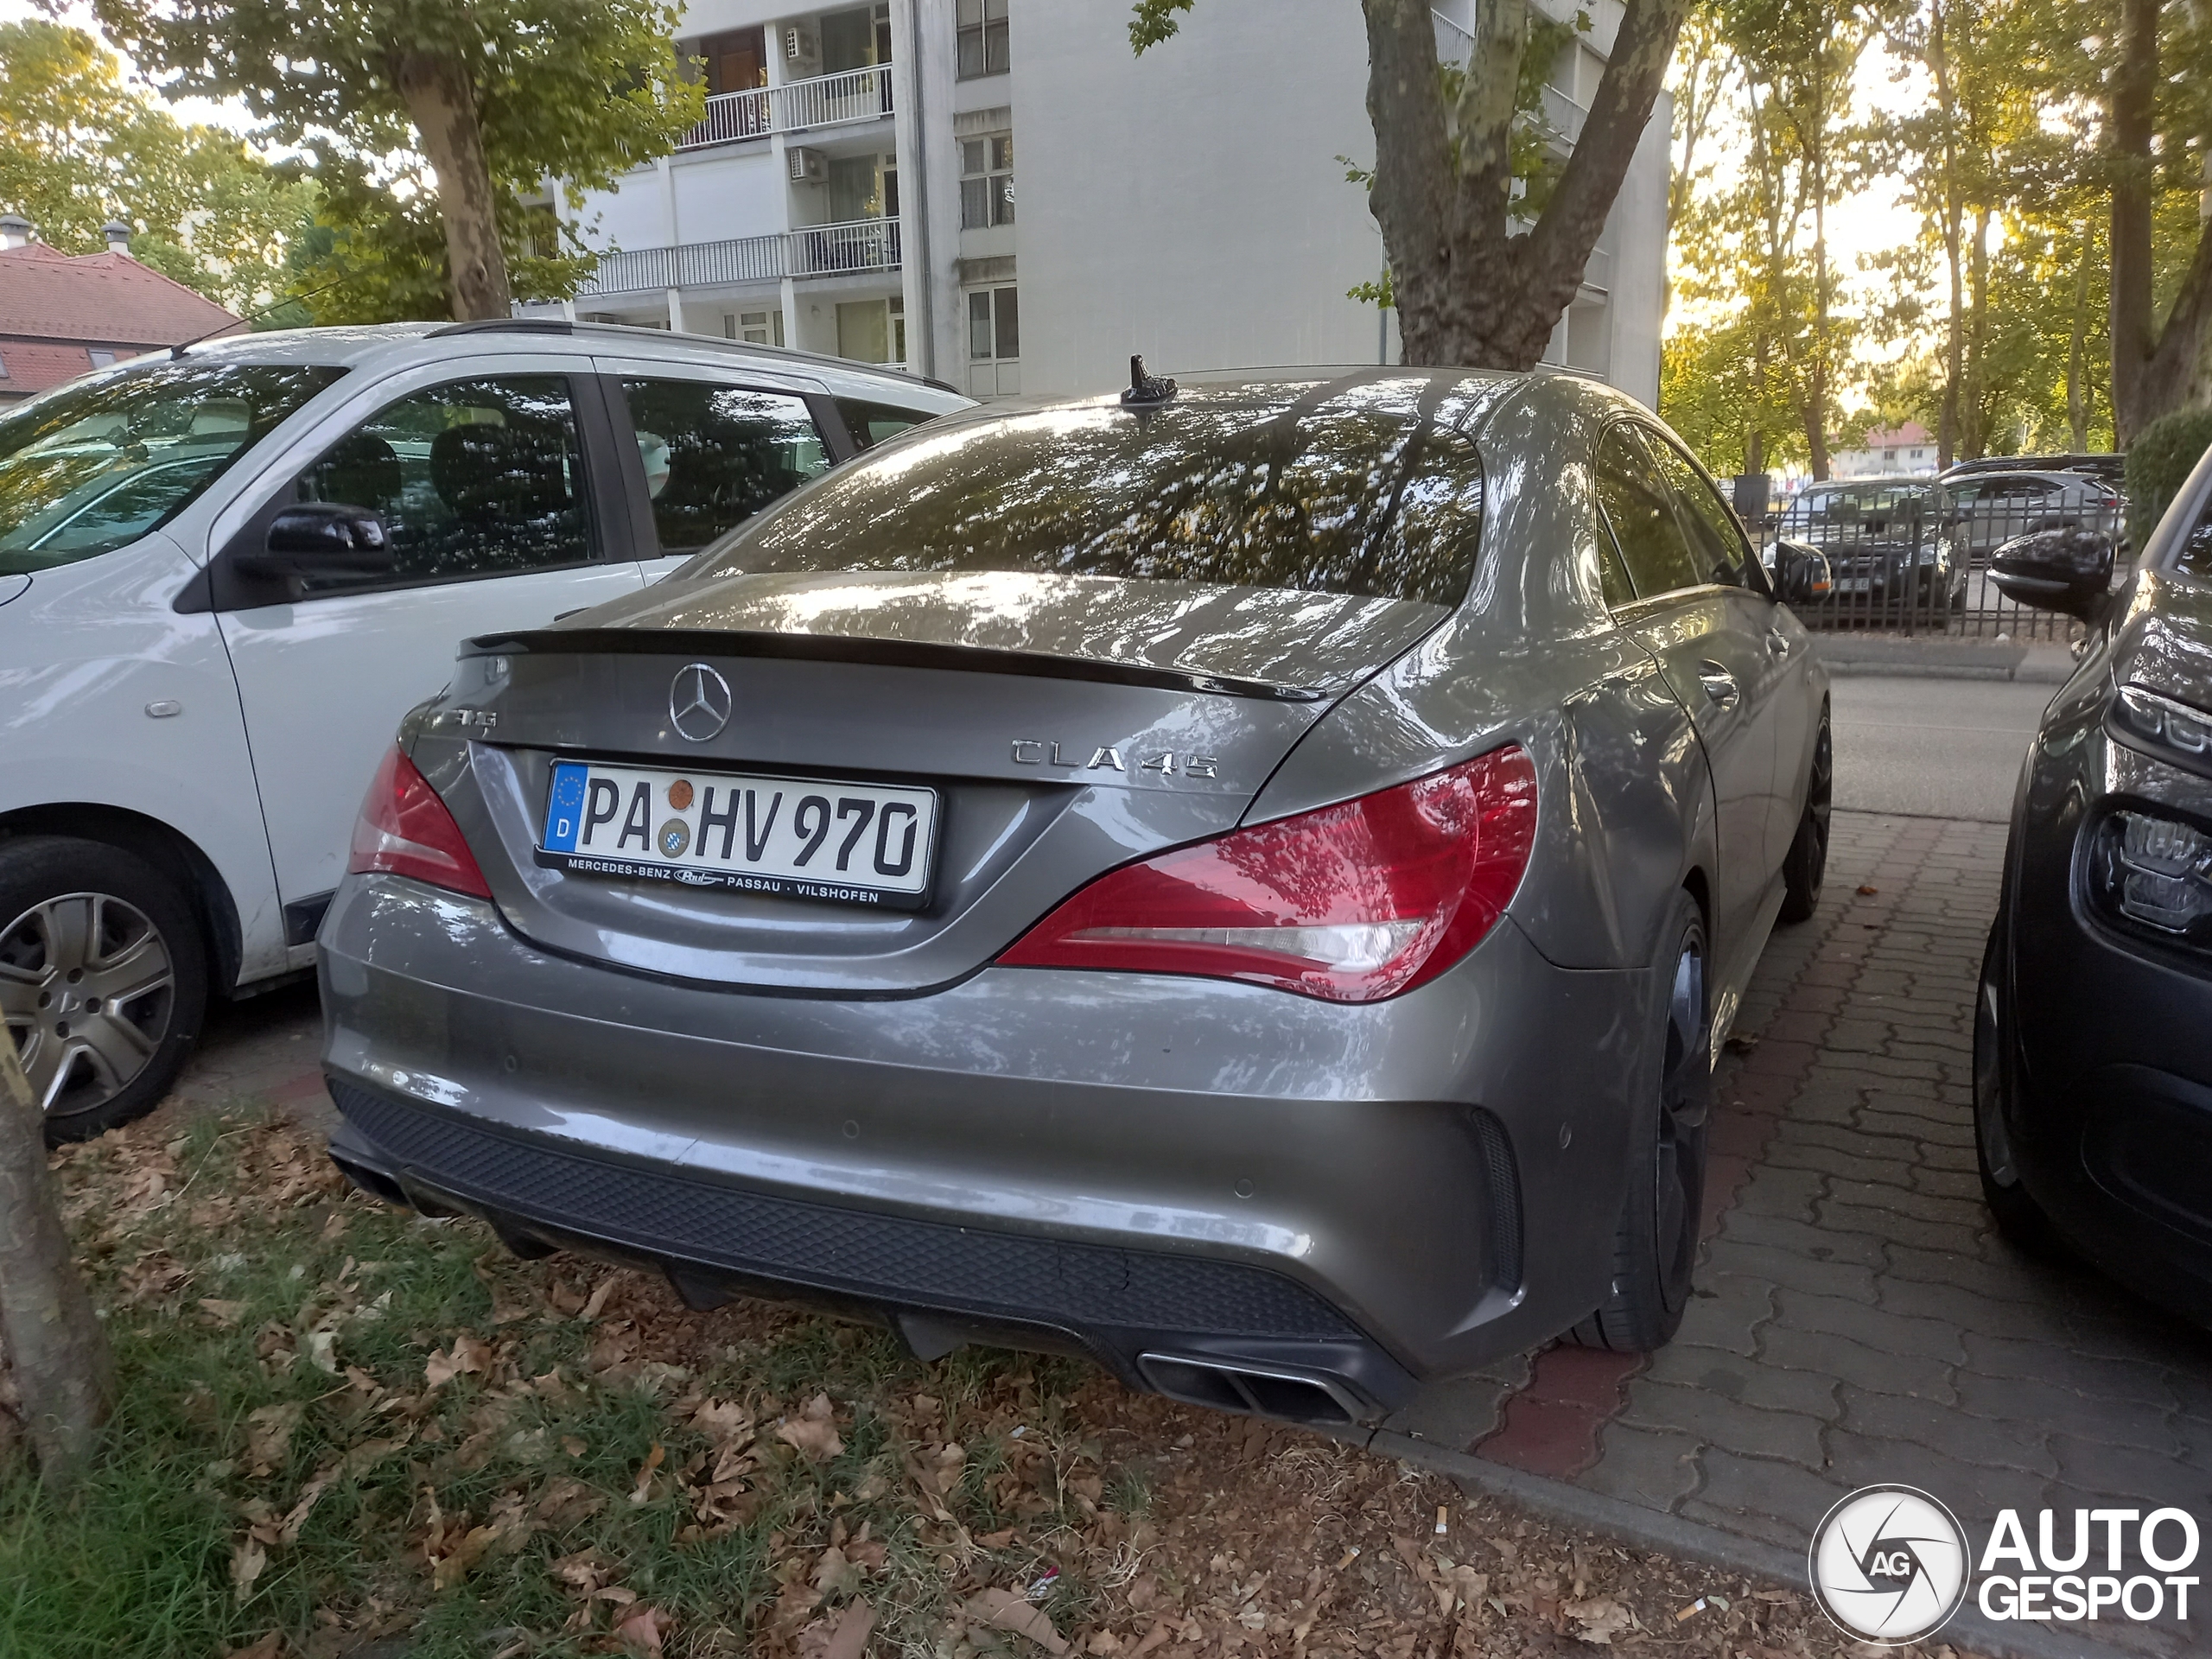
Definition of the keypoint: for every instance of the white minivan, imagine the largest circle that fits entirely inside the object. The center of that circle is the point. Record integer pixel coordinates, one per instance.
(227, 572)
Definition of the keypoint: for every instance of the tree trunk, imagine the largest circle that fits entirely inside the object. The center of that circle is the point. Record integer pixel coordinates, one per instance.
(1469, 288)
(1939, 68)
(52, 1348)
(1975, 436)
(442, 102)
(2077, 399)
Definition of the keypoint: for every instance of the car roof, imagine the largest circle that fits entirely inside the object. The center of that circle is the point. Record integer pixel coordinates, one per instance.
(352, 345)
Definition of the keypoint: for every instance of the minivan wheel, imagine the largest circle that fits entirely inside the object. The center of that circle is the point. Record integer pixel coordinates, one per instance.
(1805, 867)
(1656, 1246)
(103, 980)
(2017, 1216)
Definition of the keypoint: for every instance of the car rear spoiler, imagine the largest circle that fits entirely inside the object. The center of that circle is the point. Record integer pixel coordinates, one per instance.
(708, 642)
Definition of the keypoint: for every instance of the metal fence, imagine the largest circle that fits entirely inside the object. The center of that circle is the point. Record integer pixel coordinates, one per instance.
(1919, 564)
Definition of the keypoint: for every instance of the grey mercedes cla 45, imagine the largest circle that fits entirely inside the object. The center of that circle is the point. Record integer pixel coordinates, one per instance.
(1243, 882)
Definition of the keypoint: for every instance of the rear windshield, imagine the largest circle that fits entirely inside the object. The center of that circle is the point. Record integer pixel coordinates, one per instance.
(1358, 488)
(94, 465)
(1864, 500)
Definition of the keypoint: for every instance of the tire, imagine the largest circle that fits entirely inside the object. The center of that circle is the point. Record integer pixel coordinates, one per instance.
(1656, 1243)
(2019, 1216)
(1805, 867)
(103, 980)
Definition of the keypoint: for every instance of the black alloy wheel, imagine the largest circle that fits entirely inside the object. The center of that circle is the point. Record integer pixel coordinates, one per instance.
(1654, 1251)
(1804, 868)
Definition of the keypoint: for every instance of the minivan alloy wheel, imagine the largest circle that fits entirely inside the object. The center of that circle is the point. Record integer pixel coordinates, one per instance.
(87, 988)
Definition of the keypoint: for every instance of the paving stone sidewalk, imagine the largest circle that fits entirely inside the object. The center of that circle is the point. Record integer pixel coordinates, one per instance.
(1857, 1319)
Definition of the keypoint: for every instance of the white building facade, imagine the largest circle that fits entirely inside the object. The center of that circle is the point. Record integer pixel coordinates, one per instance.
(852, 190)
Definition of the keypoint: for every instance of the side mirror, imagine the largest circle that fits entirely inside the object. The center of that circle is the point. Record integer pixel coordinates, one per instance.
(2068, 570)
(325, 539)
(1802, 574)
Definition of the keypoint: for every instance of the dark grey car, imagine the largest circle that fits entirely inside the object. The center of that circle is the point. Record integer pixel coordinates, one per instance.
(1246, 885)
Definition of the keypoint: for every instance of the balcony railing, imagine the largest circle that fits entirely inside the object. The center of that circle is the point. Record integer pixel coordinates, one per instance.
(814, 251)
(833, 250)
(796, 106)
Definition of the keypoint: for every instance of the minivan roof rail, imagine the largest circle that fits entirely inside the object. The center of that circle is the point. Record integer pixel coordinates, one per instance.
(630, 331)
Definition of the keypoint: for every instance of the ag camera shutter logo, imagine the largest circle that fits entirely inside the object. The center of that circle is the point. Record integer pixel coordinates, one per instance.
(1888, 1565)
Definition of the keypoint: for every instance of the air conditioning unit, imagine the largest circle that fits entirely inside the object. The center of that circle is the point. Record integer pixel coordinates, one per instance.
(800, 45)
(808, 166)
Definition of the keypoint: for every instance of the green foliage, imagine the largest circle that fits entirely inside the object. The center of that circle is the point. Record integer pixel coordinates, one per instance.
(576, 90)
(79, 146)
(1154, 21)
(2159, 462)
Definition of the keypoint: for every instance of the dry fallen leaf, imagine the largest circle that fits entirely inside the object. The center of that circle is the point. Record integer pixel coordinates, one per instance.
(640, 1632)
(841, 1635)
(598, 1301)
(813, 1433)
(268, 1647)
(227, 1314)
(468, 1354)
(246, 1562)
(1012, 1612)
(269, 1431)
(654, 1461)
(453, 1567)
(1602, 1618)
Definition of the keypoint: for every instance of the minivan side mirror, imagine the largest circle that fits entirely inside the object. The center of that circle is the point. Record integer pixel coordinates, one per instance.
(2065, 569)
(328, 540)
(1801, 573)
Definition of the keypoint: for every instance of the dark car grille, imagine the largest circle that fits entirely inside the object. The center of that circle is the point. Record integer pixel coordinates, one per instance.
(890, 1259)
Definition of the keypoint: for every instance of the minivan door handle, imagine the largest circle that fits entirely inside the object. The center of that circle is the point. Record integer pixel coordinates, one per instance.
(1720, 685)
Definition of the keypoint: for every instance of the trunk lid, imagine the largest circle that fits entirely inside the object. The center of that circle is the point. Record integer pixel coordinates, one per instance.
(1067, 724)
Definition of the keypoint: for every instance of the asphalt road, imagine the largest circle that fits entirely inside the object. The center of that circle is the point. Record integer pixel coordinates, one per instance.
(1935, 748)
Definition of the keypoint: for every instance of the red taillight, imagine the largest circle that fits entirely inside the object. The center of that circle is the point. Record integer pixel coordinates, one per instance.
(405, 829)
(1353, 903)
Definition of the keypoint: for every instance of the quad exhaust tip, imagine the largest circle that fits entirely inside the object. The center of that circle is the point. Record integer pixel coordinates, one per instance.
(1290, 1396)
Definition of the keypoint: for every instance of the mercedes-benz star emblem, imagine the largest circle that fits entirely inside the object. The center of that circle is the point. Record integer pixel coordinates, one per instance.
(698, 701)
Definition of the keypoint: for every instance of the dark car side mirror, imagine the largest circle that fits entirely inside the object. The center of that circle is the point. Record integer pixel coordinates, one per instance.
(329, 540)
(1801, 573)
(2068, 569)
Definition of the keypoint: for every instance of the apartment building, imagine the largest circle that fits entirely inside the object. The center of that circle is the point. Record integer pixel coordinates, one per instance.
(851, 189)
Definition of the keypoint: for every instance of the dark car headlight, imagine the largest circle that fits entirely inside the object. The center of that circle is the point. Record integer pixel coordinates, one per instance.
(2154, 872)
(2173, 731)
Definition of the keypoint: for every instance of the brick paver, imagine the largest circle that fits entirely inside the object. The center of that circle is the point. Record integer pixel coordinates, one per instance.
(1857, 1319)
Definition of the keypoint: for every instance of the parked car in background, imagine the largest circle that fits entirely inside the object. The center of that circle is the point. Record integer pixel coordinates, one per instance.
(226, 573)
(2092, 1073)
(1985, 509)
(1885, 539)
(1245, 882)
(2112, 469)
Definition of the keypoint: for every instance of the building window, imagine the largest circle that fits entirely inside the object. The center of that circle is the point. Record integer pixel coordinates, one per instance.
(753, 328)
(994, 324)
(987, 182)
(735, 62)
(982, 38)
(100, 359)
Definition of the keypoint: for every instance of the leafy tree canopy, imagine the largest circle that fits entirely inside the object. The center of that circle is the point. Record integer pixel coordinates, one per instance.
(80, 146)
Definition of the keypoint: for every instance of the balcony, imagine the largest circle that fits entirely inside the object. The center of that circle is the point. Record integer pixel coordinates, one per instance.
(838, 100)
(859, 245)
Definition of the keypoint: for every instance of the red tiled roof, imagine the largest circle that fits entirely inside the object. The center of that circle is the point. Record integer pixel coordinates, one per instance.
(34, 365)
(102, 299)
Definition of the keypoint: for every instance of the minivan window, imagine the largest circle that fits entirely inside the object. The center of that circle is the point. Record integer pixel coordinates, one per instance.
(93, 466)
(1361, 490)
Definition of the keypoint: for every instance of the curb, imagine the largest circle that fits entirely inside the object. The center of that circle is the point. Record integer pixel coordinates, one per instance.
(1670, 1535)
(2044, 663)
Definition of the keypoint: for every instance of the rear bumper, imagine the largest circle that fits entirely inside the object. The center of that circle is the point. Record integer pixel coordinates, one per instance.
(1172, 1175)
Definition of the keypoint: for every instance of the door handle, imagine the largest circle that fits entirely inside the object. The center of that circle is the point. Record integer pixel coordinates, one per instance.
(1720, 685)
(1777, 643)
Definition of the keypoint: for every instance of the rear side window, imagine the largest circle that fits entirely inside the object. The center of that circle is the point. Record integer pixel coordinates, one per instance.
(869, 424)
(1715, 543)
(1639, 510)
(716, 454)
(1360, 488)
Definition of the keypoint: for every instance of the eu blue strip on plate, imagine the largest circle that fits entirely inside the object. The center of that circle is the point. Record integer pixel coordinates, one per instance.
(564, 810)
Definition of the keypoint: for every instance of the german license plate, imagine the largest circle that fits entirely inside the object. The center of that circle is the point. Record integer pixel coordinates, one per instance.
(1855, 585)
(809, 838)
